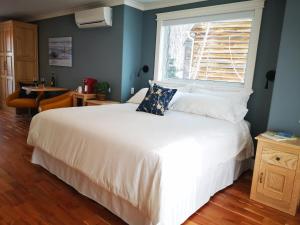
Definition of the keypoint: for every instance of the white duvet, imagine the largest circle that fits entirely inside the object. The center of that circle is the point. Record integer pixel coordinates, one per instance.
(152, 162)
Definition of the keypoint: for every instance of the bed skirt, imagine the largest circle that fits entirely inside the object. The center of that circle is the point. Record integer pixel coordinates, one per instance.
(218, 179)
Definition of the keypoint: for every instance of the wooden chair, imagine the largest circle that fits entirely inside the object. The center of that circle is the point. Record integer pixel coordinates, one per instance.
(17, 102)
(61, 101)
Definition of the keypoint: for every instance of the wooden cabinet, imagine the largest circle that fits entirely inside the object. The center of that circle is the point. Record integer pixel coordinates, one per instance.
(276, 178)
(2, 40)
(18, 56)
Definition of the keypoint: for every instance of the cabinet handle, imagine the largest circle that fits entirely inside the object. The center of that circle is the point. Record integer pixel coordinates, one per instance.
(277, 158)
(261, 177)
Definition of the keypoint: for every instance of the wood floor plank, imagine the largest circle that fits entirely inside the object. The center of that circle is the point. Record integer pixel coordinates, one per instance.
(29, 195)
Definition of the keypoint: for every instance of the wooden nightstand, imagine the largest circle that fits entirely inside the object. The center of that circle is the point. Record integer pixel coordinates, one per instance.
(98, 102)
(276, 177)
(83, 97)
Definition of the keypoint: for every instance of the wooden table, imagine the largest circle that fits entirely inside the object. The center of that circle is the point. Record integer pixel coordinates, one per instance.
(82, 96)
(99, 102)
(42, 89)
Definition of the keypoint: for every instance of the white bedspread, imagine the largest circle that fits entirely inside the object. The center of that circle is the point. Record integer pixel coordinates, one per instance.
(155, 163)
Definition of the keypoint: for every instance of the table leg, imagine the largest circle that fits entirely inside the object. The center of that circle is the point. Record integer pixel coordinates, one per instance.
(75, 101)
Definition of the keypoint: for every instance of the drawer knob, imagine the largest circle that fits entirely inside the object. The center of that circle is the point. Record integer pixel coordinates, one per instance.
(277, 158)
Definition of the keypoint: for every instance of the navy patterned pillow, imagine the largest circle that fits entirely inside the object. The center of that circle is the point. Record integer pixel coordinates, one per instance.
(157, 100)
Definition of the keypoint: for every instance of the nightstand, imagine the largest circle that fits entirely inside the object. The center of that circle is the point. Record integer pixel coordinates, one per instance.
(98, 102)
(83, 97)
(276, 177)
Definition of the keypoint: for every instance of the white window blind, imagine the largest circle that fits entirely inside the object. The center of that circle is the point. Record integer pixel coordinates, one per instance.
(212, 51)
(220, 50)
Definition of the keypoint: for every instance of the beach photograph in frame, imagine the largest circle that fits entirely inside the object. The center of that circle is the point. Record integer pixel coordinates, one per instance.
(60, 51)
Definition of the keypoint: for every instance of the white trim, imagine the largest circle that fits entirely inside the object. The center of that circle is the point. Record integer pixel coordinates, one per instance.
(169, 3)
(212, 10)
(158, 53)
(255, 5)
(253, 48)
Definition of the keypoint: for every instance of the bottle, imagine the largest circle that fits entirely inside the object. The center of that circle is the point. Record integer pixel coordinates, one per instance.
(52, 83)
(85, 87)
(43, 82)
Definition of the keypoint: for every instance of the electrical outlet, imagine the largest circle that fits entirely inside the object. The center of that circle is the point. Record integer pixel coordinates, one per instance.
(132, 91)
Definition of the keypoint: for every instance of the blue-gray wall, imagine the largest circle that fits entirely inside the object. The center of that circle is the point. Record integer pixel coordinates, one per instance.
(96, 52)
(285, 108)
(259, 103)
(132, 42)
(111, 54)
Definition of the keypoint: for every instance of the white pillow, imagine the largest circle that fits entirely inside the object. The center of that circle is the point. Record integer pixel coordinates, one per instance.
(209, 105)
(178, 86)
(241, 97)
(139, 96)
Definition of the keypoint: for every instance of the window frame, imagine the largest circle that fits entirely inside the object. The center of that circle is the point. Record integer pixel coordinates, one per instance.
(256, 6)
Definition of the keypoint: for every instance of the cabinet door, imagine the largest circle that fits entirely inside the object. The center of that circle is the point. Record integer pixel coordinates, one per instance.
(25, 55)
(9, 86)
(2, 49)
(8, 44)
(9, 66)
(25, 40)
(2, 90)
(276, 182)
(2, 65)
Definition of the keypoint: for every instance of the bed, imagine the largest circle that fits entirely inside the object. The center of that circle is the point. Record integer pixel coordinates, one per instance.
(146, 169)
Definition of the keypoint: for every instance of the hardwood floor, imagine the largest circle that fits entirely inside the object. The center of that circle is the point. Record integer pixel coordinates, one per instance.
(30, 195)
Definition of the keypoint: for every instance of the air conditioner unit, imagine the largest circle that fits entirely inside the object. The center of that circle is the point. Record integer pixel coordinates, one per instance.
(98, 17)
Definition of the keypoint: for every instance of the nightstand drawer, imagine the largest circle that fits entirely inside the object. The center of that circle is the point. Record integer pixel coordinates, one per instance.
(278, 158)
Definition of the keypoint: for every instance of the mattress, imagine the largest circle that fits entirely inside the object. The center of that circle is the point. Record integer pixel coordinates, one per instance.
(157, 165)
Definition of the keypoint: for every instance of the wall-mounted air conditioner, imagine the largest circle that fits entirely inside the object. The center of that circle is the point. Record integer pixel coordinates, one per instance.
(98, 17)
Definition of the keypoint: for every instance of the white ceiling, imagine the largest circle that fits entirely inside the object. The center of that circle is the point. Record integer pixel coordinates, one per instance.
(26, 9)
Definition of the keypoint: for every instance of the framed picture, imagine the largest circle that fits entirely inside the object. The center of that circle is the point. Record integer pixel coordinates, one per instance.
(60, 51)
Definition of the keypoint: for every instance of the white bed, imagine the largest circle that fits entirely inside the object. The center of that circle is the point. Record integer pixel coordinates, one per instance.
(146, 169)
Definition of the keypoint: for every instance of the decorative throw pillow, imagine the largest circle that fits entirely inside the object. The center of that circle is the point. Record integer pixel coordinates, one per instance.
(157, 100)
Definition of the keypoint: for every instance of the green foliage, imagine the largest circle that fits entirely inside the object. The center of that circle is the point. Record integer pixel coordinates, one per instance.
(102, 87)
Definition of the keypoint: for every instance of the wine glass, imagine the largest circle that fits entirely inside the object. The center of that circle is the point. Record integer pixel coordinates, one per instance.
(43, 82)
(35, 83)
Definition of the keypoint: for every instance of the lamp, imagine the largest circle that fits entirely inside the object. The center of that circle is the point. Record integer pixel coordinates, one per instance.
(145, 69)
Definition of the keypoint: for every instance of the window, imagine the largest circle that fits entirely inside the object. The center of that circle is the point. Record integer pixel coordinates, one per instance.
(215, 44)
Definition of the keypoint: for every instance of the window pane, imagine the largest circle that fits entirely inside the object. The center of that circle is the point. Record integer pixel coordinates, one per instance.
(213, 51)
